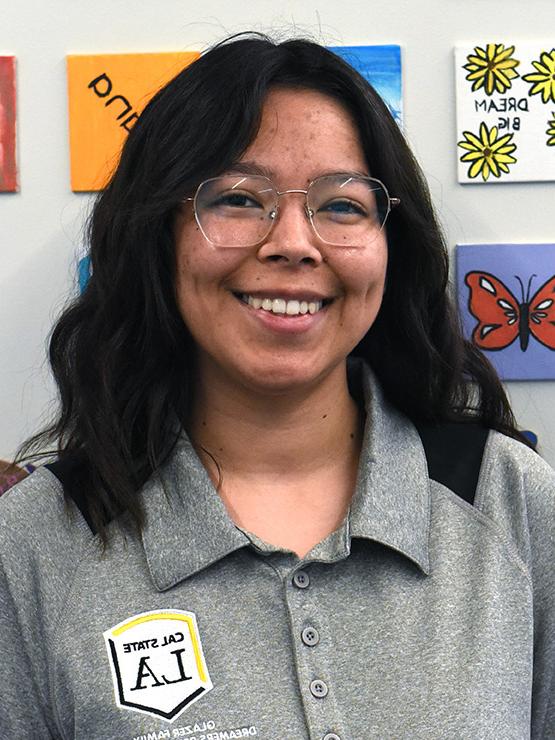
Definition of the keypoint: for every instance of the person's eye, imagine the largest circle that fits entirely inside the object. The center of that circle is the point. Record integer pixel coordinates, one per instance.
(234, 199)
(343, 207)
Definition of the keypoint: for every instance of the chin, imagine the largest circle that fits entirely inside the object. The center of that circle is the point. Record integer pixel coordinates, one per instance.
(281, 377)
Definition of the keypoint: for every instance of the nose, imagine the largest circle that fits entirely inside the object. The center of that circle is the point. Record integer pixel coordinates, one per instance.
(292, 239)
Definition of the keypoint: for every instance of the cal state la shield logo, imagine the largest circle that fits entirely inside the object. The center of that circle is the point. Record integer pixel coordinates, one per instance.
(157, 662)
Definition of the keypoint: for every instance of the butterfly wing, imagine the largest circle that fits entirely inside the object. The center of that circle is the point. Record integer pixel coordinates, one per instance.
(541, 314)
(496, 309)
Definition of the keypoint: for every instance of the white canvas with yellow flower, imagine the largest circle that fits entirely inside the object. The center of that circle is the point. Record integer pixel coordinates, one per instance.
(505, 111)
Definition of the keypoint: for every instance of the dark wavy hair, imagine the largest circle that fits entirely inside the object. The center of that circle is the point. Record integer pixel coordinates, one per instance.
(121, 354)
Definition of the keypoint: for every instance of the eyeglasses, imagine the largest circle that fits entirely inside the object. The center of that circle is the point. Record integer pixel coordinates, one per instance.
(344, 210)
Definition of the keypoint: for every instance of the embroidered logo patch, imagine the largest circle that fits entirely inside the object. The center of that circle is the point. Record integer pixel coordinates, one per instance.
(157, 662)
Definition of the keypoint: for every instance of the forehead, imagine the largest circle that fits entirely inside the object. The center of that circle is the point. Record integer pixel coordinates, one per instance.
(305, 133)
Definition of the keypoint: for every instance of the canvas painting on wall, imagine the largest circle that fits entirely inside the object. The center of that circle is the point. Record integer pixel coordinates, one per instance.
(8, 163)
(505, 111)
(106, 94)
(381, 66)
(507, 304)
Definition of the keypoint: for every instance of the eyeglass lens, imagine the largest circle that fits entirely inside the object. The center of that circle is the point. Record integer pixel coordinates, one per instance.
(238, 210)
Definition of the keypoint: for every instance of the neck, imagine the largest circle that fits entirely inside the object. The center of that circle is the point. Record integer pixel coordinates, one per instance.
(249, 433)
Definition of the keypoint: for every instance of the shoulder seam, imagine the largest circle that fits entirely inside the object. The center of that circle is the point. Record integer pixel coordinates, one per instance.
(501, 535)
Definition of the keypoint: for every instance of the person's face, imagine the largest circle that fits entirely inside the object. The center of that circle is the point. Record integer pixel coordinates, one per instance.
(303, 134)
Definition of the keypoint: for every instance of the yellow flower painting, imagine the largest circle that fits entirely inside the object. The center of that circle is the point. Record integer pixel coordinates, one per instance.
(543, 80)
(505, 112)
(488, 154)
(491, 68)
(551, 132)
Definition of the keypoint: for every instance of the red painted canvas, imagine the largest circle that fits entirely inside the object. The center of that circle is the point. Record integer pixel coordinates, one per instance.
(8, 165)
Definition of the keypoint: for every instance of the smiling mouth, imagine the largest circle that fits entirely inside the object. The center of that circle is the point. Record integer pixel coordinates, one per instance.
(283, 306)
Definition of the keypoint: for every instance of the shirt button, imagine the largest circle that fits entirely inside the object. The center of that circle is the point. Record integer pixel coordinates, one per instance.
(318, 688)
(301, 579)
(331, 736)
(310, 636)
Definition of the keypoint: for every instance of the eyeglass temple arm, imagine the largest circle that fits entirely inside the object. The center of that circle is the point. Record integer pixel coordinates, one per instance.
(394, 202)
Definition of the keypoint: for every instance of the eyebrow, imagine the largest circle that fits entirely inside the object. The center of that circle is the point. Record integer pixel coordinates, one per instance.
(249, 168)
(252, 168)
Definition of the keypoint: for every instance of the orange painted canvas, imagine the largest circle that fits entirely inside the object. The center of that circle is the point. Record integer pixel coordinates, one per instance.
(8, 165)
(107, 93)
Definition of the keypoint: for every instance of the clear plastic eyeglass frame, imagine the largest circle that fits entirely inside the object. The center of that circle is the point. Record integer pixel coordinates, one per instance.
(273, 213)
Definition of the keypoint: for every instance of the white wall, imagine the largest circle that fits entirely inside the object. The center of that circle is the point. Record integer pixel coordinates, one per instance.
(41, 226)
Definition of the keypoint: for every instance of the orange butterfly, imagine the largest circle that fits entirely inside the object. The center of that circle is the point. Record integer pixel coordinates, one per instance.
(501, 318)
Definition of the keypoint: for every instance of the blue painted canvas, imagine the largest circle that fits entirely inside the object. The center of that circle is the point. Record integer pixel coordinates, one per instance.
(381, 66)
(83, 272)
(507, 304)
(532, 437)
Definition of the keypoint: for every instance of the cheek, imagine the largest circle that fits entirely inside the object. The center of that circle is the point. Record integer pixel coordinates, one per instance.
(193, 264)
(188, 267)
(365, 277)
(365, 289)
(202, 274)
(378, 278)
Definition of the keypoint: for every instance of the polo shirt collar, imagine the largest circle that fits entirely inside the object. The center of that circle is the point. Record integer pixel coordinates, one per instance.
(391, 504)
(187, 527)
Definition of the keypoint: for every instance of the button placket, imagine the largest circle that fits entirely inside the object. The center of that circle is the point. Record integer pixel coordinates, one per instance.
(311, 645)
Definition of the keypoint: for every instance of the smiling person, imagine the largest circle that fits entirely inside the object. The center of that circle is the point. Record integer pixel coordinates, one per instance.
(289, 500)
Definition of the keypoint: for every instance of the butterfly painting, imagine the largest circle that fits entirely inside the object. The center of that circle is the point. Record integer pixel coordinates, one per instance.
(506, 298)
(502, 318)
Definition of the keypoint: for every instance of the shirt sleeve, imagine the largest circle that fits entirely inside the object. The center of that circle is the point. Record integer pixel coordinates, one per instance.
(41, 545)
(540, 485)
(23, 679)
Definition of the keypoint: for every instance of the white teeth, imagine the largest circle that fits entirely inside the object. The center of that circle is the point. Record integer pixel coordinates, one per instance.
(281, 306)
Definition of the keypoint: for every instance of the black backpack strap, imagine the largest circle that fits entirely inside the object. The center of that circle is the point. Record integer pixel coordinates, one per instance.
(69, 471)
(454, 452)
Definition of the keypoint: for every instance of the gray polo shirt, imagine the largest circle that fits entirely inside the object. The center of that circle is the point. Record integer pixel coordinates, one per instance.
(421, 617)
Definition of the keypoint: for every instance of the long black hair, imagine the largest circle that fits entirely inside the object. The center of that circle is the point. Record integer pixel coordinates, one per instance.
(122, 356)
